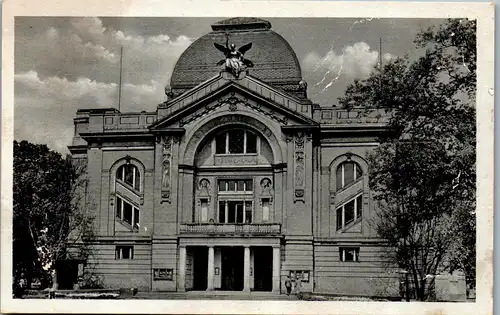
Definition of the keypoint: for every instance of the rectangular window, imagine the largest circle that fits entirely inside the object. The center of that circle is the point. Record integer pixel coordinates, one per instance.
(220, 143)
(349, 212)
(349, 254)
(248, 185)
(233, 185)
(204, 210)
(265, 209)
(231, 212)
(248, 212)
(236, 141)
(359, 206)
(240, 185)
(222, 185)
(222, 212)
(239, 212)
(124, 252)
(127, 212)
(235, 212)
(119, 213)
(348, 173)
(251, 143)
(136, 216)
(339, 218)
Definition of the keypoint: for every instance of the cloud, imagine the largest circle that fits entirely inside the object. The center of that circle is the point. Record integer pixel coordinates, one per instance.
(355, 61)
(70, 64)
(45, 108)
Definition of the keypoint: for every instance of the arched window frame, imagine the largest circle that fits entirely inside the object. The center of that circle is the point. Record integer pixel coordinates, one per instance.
(226, 138)
(334, 165)
(114, 198)
(357, 174)
(136, 176)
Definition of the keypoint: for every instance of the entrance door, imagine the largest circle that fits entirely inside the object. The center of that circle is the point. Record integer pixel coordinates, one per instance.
(263, 266)
(200, 268)
(232, 268)
(67, 274)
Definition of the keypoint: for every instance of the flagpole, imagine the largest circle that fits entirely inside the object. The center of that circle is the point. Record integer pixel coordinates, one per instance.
(120, 84)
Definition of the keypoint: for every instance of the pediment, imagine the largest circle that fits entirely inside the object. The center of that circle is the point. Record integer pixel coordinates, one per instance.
(220, 94)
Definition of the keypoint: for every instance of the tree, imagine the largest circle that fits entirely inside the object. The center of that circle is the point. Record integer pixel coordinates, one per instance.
(423, 173)
(49, 222)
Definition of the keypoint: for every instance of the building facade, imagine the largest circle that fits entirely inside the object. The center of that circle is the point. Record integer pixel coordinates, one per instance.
(236, 181)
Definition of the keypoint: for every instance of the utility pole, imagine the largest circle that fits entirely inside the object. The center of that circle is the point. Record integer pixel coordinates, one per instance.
(120, 83)
(380, 63)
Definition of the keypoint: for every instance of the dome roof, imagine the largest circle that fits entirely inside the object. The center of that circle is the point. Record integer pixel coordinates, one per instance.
(274, 60)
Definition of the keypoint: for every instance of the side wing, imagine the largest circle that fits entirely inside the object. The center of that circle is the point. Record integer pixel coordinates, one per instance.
(247, 63)
(221, 48)
(243, 49)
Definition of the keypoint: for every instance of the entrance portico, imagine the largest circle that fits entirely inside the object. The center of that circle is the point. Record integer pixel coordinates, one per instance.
(229, 267)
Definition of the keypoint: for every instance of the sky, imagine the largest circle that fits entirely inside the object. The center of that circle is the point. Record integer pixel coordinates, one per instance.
(66, 63)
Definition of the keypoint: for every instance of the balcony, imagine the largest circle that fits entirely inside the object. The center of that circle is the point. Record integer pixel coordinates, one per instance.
(230, 229)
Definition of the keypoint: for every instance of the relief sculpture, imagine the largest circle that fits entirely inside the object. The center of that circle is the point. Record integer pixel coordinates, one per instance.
(299, 169)
(166, 166)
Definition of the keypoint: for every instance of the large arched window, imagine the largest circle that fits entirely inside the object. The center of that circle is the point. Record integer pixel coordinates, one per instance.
(348, 173)
(129, 175)
(236, 141)
(128, 194)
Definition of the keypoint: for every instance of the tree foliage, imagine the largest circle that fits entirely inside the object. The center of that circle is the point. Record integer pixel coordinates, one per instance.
(49, 219)
(423, 173)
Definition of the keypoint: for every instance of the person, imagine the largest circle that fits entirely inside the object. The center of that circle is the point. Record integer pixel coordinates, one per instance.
(288, 285)
(298, 285)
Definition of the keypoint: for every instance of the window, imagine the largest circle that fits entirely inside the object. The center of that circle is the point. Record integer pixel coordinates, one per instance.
(236, 141)
(347, 173)
(265, 209)
(349, 254)
(126, 212)
(124, 252)
(204, 210)
(239, 185)
(163, 274)
(129, 174)
(349, 212)
(235, 212)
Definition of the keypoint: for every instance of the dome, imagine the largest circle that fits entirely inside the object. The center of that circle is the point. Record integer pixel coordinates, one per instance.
(274, 60)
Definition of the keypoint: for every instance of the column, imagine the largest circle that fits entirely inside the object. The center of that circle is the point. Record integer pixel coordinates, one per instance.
(276, 269)
(211, 269)
(246, 270)
(181, 279)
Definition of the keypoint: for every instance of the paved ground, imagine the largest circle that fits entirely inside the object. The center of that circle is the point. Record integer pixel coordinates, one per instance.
(217, 295)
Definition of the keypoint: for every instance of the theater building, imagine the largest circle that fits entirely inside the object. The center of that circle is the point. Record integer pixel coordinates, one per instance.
(236, 181)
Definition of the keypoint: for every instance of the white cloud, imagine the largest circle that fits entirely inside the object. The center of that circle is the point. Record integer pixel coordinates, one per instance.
(72, 67)
(355, 61)
(90, 25)
(45, 108)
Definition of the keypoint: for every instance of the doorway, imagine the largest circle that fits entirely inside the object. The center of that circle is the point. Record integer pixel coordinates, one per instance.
(263, 267)
(232, 268)
(67, 274)
(200, 268)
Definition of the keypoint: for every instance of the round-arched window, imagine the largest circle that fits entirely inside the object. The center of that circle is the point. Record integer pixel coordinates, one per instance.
(130, 175)
(236, 141)
(348, 173)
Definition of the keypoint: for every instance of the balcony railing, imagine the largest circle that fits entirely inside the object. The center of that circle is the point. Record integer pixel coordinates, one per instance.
(230, 229)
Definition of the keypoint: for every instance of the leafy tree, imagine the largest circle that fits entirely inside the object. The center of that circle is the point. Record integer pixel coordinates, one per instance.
(49, 221)
(423, 173)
